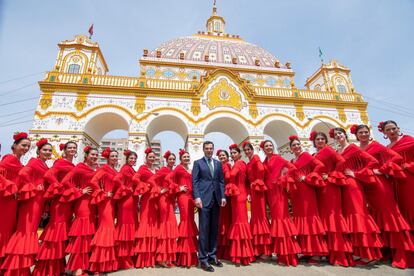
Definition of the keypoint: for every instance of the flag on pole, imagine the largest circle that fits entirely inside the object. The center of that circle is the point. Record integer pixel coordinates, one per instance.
(90, 31)
(320, 54)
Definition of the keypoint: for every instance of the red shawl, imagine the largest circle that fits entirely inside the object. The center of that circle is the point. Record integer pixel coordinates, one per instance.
(361, 163)
(143, 179)
(255, 174)
(405, 147)
(388, 159)
(311, 168)
(123, 182)
(54, 176)
(30, 179)
(334, 164)
(102, 183)
(9, 169)
(75, 181)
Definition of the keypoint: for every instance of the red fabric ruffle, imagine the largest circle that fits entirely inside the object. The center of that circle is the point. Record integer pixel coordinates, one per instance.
(54, 190)
(55, 232)
(51, 251)
(79, 245)
(7, 187)
(82, 226)
(258, 185)
(231, 189)
(314, 179)
(366, 175)
(392, 169)
(28, 190)
(337, 178)
(187, 228)
(141, 188)
(71, 194)
(125, 232)
(49, 267)
(187, 259)
(23, 244)
(123, 192)
(311, 225)
(78, 261)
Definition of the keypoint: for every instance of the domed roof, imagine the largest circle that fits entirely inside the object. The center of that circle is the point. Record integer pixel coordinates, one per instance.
(224, 51)
(217, 48)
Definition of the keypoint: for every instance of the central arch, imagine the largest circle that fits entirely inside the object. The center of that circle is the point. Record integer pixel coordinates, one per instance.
(102, 123)
(279, 131)
(231, 127)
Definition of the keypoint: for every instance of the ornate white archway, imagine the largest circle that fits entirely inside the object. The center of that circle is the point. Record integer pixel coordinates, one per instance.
(280, 131)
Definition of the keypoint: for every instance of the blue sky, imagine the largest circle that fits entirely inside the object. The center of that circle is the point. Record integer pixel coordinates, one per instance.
(373, 37)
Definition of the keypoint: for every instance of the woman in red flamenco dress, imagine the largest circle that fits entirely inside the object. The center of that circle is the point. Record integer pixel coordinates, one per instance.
(127, 212)
(282, 228)
(358, 167)
(103, 258)
(78, 190)
(51, 257)
(330, 202)
(259, 224)
(166, 252)
(223, 245)
(404, 188)
(395, 231)
(241, 240)
(23, 245)
(146, 237)
(10, 166)
(187, 229)
(311, 233)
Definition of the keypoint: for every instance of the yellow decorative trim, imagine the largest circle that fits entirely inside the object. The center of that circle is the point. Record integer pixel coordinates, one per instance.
(185, 115)
(341, 114)
(299, 112)
(81, 101)
(195, 107)
(364, 115)
(224, 95)
(139, 104)
(253, 110)
(46, 100)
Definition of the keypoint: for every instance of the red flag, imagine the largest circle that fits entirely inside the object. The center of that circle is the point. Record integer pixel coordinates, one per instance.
(90, 31)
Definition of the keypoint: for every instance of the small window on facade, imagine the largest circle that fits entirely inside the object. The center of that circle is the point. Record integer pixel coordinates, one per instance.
(74, 69)
(341, 88)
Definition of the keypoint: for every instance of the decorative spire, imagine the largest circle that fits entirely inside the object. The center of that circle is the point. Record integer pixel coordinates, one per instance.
(215, 24)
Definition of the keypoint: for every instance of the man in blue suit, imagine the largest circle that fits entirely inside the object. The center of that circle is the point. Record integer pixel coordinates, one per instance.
(208, 193)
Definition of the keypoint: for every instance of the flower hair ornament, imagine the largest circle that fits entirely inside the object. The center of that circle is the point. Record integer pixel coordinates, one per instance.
(233, 146)
(312, 136)
(148, 151)
(106, 152)
(332, 133)
(245, 143)
(182, 152)
(61, 147)
(262, 143)
(167, 154)
(293, 137)
(127, 153)
(218, 152)
(353, 129)
(20, 135)
(87, 149)
(41, 142)
(380, 127)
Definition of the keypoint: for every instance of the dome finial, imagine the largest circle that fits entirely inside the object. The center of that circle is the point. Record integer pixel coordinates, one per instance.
(215, 24)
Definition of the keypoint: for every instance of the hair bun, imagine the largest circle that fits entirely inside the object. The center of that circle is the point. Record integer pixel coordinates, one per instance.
(20, 135)
(312, 135)
(353, 129)
(233, 146)
(106, 152)
(148, 150)
(41, 143)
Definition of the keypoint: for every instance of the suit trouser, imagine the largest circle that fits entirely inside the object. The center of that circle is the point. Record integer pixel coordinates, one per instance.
(208, 231)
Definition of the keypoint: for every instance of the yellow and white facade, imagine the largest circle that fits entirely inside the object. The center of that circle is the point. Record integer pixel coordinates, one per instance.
(211, 81)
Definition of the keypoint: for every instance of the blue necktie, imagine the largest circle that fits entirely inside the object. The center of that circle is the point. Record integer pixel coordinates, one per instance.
(210, 166)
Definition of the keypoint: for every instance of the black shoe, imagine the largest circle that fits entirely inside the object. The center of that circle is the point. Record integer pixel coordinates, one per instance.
(215, 262)
(207, 267)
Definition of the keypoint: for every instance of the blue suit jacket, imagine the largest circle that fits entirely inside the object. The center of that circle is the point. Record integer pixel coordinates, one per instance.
(206, 186)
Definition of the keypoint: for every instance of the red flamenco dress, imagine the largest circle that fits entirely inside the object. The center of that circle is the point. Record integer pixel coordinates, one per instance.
(282, 228)
(166, 251)
(311, 233)
(330, 208)
(51, 257)
(103, 258)
(127, 217)
(23, 245)
(9, 170)
(83, 226)
(224, 220)
(365, 234)
(241, 247)
(395, 231)
(146, 237)
(187, 229)
(259, 223)
(405, 186)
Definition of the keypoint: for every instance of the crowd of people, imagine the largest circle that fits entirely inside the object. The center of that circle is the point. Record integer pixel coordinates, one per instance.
(349, 205)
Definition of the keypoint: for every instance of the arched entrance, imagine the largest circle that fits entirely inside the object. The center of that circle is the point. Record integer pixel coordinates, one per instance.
(279, 131)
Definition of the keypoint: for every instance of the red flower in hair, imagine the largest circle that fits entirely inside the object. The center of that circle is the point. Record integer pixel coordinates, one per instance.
(87, 149)
(380, 126)
(312, 136)
(182, 152)
(353, 129)
(332, 133)
(233, 146)
(293, 137)
(127, 153)
(20, 135)
(218, 152)
(41, 142)
(106, 152)
(262, 143)
(245, 143)
(167, 154)
(61, 146)
(148, 150)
